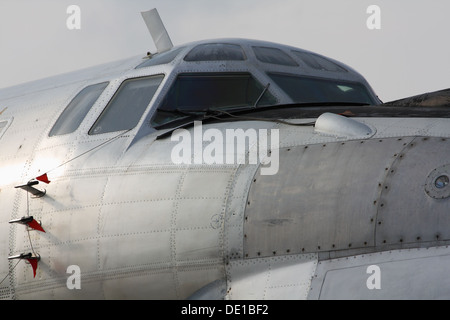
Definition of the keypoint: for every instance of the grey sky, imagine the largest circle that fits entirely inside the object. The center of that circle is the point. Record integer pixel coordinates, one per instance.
(407, 56)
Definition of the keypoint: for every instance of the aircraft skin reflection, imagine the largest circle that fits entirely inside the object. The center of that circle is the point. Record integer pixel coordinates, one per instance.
(94, 205)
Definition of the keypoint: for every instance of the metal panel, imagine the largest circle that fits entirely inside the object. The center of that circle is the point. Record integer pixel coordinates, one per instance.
(285, 277)
(407, 214)
(323, 198)
(400, 274)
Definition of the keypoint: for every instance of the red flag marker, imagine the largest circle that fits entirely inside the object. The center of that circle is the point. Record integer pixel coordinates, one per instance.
(34, 265)
(29, 257)
(35, 225)
(30, 222)
(43, 178)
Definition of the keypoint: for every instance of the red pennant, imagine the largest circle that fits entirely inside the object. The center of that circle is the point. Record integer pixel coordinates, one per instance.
(35, 225)
(43, 178)
(34, 265)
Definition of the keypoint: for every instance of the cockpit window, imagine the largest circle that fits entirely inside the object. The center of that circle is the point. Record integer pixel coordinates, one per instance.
(160, 58)
(215, 52)
(202, 91)
(128, 104)
(317, 62)
(274, 56)
(305, 89)
(73, 115)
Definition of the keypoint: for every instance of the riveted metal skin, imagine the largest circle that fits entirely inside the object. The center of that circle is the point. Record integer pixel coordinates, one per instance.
(139, 225)
(364, 194)
(406, 214)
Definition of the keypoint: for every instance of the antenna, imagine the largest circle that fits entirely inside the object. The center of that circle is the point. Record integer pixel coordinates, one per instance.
(157, 30)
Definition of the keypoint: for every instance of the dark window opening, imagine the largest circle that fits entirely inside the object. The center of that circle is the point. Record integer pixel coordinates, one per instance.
(215, 52)
(76, 111)
(127, 106)
(274, 56)
(304, 89)
(317, 62)
(203, 91)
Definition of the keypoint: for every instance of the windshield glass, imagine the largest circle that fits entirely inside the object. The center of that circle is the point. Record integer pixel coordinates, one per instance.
(126, 107)
(76, 111)
(204, 91)
(215, 52)
(305, 89)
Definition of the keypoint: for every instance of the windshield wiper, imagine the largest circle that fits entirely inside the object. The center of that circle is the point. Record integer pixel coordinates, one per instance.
(217, 114)
(225, 114)
(261, 95)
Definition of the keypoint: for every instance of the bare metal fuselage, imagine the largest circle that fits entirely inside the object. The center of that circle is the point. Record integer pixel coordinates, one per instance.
(139, 226)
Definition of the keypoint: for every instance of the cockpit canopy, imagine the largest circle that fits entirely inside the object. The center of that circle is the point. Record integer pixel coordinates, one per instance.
(217, 75)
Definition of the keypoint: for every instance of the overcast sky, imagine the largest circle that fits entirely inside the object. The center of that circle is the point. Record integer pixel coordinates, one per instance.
(409, 55)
